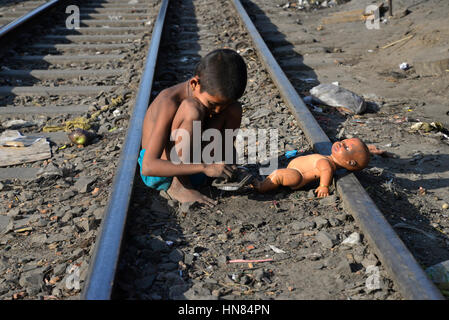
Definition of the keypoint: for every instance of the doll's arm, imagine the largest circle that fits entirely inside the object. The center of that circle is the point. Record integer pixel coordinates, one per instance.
(326, 173)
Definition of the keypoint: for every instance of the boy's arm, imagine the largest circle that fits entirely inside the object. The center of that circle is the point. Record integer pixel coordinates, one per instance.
(326, 173)
(153, 165)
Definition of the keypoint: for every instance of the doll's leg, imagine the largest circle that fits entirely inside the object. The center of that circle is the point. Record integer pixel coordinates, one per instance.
(282, 177)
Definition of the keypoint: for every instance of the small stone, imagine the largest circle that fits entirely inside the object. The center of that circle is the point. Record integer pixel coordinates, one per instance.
(329, 200)
(326, 239)
(26, 196)
(157, 244)
(42, 223)
(145, 282)
(59, 269)
(39, 239)
(334, 222)
(188, 258)
(245, 280)
(32, 282)
(66, 195)
(83, 184)
(176, 292)
(176, 255)
(258, 274)
(169, 266)
(343, 267)
(222, 260)
(369, 262)
(6, 224)
(353, 239)
(98, 213)
(321, 222)
(445, 206)
(77, 253)
(223, 237)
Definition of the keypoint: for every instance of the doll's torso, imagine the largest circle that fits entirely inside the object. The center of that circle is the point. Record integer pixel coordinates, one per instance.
(306, 165)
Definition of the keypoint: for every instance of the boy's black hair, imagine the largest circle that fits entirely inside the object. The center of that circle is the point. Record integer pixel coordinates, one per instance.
(222, 72)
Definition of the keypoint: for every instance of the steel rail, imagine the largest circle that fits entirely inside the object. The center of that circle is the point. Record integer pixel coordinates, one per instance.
(103, 265)
(13, 25)
(409, 277)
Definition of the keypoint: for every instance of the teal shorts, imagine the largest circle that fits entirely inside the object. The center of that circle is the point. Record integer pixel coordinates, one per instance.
(163, 183)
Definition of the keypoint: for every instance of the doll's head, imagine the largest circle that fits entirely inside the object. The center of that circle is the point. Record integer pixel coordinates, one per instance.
(351, 154)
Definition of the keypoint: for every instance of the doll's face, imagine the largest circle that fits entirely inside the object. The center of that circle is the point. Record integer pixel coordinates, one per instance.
(351, 154)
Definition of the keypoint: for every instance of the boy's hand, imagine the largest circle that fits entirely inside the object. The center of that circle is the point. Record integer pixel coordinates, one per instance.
(218, 170)
(322, 191)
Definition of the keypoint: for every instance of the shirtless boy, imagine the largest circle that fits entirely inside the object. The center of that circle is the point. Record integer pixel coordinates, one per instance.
(351, 154)
(210, 96)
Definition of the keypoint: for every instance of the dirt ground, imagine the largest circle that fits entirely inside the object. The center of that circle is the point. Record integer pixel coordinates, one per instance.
(411, 189)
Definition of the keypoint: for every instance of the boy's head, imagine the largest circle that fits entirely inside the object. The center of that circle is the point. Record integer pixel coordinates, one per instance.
(351, 154)
(221, 74)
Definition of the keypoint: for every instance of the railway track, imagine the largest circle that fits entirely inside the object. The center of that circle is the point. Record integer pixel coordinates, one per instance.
(169, 253)
(11, 10)
(50, 77)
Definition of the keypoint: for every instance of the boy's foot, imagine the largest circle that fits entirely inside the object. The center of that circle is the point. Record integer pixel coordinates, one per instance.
(182, 194)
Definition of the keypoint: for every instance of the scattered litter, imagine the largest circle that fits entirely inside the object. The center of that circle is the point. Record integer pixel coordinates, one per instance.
(439, 274)
(17, 124)
(397, 41)
(427, 127)
(80, 122)
(336, 83)
(23, 229)
(169, 243)
(249, 261)
(353, 239)
(277, 250)
(16, 148)
(373, 281)
(291, 154)
(116, 112)
(335, 96)
(80, 136)
(347, 16)
(404, 66)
